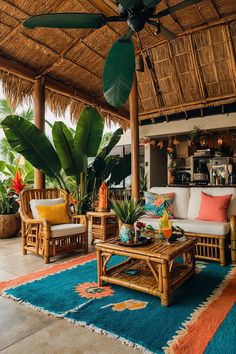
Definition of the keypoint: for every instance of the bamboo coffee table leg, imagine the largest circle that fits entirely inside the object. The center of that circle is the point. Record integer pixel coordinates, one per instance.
(165, 298)
(99, 267)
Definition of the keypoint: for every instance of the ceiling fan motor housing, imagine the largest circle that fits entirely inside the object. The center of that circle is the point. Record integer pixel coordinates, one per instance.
(136, 22)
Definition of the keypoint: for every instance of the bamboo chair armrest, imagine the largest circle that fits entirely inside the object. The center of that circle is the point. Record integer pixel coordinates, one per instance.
(80, 219)
(27, 220)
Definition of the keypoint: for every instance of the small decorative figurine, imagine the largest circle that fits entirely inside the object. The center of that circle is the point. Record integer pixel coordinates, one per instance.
(103, 195)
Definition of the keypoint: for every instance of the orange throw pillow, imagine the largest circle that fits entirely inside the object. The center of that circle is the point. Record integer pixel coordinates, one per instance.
(214, 208)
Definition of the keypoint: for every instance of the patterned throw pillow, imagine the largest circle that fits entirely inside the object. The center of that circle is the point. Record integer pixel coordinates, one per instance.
(156, 203)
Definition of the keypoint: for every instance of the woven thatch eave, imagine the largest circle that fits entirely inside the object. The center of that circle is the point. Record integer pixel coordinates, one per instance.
(195, 70)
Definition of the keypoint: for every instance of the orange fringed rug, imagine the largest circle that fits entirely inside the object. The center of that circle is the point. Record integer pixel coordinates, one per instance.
(201, 318)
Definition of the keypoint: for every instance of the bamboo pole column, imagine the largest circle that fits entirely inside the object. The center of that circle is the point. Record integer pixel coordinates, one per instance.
(134, 127)
(39, 121)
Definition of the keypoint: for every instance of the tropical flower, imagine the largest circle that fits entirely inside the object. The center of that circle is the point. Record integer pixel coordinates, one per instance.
(17, 183)
(140, 225)
(92, 291)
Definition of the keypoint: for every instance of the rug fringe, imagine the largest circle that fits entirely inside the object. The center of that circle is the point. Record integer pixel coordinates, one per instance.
(80, 323)
(111, 335)
(197, 312)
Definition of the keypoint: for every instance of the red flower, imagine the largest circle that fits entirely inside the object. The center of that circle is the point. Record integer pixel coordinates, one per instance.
(17, 183)
(140, 225)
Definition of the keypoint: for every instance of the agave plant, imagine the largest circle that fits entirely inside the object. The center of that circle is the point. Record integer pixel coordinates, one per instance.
(127, 210)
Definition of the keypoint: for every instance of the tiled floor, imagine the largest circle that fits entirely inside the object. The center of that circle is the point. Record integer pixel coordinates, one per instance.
(27, 331)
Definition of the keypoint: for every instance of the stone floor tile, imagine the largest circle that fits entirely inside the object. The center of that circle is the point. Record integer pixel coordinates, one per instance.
(62, 337)
(17, 322)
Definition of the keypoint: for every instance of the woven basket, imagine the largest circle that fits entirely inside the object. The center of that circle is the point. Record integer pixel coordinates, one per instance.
(10, 225)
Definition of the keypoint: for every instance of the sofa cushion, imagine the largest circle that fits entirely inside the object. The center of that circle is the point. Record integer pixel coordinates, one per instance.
(155, 204)
(67, 230)
(38, 202)
(194, 226)
(181, 200)
(214, 208)
(195, 199)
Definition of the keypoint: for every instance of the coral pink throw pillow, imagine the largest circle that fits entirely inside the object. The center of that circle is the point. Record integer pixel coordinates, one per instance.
(214, 208)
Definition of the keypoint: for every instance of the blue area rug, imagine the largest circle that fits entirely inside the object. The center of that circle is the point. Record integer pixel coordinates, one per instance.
(135, 318)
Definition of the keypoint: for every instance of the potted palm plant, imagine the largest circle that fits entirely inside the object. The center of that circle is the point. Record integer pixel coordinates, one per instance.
(9, 217)
(128, 212)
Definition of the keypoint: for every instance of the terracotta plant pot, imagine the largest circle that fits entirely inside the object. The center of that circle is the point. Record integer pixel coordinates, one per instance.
(10, 225)
(127, 233)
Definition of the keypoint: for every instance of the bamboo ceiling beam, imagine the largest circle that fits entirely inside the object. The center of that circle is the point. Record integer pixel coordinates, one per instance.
(173, 16)
(106, 7)
(30, 75)
(199, 13)
(187, 105)
(213, 5)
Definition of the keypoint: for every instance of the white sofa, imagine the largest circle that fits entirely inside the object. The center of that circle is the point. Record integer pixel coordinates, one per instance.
(212, 236)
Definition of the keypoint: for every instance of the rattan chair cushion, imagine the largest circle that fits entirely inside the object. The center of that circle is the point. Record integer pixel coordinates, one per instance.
(67, 230)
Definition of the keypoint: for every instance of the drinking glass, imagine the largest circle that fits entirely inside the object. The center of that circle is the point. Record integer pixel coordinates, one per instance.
(167, 234)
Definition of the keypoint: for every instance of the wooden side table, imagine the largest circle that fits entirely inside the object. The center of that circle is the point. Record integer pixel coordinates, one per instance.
(103, 225)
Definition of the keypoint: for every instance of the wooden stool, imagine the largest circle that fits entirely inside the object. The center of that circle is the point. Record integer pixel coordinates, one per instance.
(104, 225)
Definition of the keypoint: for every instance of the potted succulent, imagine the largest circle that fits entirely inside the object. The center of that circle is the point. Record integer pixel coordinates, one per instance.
(10, 222)
(128, 212)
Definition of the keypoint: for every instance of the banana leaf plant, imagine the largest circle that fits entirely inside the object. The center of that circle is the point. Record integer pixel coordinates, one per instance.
(66, 160)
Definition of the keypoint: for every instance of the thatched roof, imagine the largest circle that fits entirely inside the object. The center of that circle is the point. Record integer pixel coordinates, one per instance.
(195, 70)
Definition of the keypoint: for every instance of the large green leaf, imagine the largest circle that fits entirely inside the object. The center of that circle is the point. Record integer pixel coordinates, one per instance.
(66, 20)
(121, 170)
(29, 141)
(111, 142)
(2, 165)
(71, 162)
(118, 72)
(89, 130)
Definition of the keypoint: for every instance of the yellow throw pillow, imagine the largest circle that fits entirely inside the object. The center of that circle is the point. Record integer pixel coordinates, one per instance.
(56, 214)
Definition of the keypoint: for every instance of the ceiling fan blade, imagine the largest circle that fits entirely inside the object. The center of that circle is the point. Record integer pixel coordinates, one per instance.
(130, 4)
(119, 71)
(167, 33)
(151, 3)
(174, 8)
(66, 20)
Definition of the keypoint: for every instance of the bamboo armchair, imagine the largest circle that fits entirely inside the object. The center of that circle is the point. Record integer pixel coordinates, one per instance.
(47, 240)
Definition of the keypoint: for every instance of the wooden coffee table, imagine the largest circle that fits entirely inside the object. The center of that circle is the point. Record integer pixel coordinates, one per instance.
(152, 269)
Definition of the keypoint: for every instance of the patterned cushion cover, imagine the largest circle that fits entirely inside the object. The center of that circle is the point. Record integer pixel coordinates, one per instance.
(156, 203)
